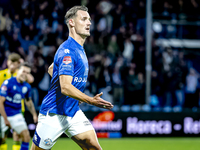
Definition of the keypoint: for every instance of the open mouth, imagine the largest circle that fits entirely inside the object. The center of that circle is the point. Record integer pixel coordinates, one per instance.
(88, 29)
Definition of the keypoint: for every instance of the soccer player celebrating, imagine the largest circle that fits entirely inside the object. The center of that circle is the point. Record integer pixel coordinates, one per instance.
(12, 92)
(13, 63)
(60, 112)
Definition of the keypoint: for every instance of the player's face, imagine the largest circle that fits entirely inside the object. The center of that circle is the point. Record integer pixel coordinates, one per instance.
(12, 66)
(82, 23)
(22, 73)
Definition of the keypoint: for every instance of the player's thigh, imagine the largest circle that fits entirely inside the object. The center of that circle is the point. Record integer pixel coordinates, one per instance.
(82, 131)
(48, 130)
(78, 124)
(3, 128)
(87, 140)
(18, 123)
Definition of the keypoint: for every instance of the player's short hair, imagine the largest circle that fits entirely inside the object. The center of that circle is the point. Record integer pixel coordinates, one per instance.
(14, 57)
(71, 13)
(26, 64)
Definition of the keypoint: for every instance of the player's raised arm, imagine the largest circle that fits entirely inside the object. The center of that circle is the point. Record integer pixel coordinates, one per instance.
(68, 89)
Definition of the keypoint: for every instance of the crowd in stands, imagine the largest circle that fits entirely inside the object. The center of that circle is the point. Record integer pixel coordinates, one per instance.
(115, 50)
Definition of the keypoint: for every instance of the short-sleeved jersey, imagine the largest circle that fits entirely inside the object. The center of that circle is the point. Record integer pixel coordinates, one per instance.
(14, 92)
(70, 59)
(5, 74)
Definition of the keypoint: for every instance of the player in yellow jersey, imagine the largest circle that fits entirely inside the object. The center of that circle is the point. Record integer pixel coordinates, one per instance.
(13, 63)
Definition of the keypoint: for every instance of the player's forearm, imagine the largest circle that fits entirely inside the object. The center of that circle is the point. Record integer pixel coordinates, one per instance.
(73, 92)
(31, 107)
(50, 70)
(2, 111)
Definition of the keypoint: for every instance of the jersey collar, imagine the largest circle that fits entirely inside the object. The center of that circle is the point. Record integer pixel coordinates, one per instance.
(75, 42)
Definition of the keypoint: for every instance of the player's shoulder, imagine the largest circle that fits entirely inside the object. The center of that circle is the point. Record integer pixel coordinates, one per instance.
(4, 71)
(66, 49)
(9, 81)
(12, 80)
(27, 84)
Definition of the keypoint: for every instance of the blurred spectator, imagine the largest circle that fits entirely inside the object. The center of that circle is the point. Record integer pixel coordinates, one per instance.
(191, 93)
(102, 76)
(121, 36)
(117, 83)
(141, 15)
(3, 21)
(44, 84)
(8, 21)
(130, 85)
(26, 42)
(90, 47)
(139, 58)
(104, 25)
(38, 71)
(118, 18)
(113, 47)
(41, 23)
(17, 23)
(128, 49)
(13, 42)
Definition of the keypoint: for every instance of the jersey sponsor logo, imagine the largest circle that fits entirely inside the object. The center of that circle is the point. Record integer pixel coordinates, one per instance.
(17, 98)
(80, 79)
(14, 87)
(67, 67)
(67, 60)
(48, 142)
(24, 89)
(8, 98)
(66, 51)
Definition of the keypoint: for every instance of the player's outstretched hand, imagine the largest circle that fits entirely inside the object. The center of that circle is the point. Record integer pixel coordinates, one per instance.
(99, 102)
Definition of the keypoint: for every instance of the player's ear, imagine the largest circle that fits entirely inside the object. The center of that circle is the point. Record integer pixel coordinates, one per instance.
(71, 22)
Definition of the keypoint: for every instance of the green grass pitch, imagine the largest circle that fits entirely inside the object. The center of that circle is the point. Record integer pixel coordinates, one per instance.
(145, 143)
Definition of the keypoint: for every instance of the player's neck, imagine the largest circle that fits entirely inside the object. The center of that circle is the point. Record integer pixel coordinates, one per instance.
(79, 39)
(11, 72)
(18, 80)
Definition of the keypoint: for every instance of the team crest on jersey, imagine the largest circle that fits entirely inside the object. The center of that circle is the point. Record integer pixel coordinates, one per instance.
(67, 60)
(24, 89)
(66, 51)
(48, 142)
